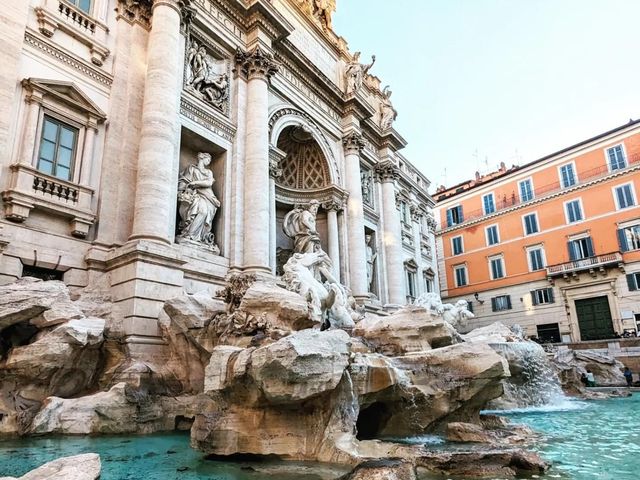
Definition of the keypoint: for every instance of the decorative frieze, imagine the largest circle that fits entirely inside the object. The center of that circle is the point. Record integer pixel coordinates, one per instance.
(256, 64)
(207, 119)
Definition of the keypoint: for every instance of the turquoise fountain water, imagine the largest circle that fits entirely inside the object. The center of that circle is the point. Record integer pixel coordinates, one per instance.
(584, 440)
(588, 440)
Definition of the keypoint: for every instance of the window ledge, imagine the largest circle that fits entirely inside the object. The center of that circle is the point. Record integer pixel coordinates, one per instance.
(30, 188)
(59, 15)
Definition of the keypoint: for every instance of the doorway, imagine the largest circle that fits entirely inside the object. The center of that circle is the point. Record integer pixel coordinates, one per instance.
(594, 318)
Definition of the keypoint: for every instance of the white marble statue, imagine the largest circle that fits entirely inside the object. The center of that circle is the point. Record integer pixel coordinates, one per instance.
(387, 113)
(456, 314)
(355, 73)
(309, 272)
(197, 204)
(300, 225)
(322, 10)
(203, 80)
(310, 275)
(371, 259)
(367, 194)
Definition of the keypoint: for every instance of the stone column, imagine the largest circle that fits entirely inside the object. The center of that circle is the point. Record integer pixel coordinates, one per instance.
(353, 143)
(387, 173)
(159, 136)
(275, 156)
(332, 209)
(258, 67)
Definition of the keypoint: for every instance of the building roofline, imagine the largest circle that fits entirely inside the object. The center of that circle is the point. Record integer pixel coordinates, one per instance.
(517, 168)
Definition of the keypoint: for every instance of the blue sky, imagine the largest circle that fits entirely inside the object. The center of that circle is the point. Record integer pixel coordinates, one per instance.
(477, 82)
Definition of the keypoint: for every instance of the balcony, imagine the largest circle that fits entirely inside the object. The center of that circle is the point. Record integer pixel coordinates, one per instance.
(31, 189)
(54, 15)
(509, 201)
(591, 264)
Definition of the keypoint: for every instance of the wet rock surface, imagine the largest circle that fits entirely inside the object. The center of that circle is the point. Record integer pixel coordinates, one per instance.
(77, 467)
(571, 364)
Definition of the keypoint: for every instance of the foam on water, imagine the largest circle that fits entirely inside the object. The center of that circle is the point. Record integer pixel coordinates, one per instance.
(418, 440)
(562, 405)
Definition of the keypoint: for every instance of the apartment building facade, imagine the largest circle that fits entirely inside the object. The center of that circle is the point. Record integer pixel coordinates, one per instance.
(553, 245)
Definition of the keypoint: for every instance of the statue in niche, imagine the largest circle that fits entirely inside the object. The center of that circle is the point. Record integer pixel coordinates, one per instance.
(309, 272)
(300, 224)
(371, 259)
(355, 73)
(197, 204)
(367, 194)
(387, 113)
(202, 79)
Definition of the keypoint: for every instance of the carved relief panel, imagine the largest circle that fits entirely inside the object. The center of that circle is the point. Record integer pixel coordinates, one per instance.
(207, 74)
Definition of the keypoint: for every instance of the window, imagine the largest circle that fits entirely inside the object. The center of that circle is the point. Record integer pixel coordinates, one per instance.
(488, 204)
(530, 224)
(629, 238)
(526, 190)
(542, 296)
(536, 259)
(616, 158)
(567, 175)
(624, 196)
(496, 266)
(454, 216)
(549, 333)
(84, 5)
(456, 245)
(461, 275)
(633, 281)
(411, 284)
(404, 212)
(57, 148)
(428, 284)
(503, 302)
(580, 248)
(493, 236)
(573, 211)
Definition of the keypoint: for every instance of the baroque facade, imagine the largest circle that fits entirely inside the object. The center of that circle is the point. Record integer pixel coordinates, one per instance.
(552, 245)
(153, 146)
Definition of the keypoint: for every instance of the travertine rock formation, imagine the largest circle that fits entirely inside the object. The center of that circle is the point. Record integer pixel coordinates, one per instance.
(382, 470)
(571, 364)
(78, 467)
(406, 331)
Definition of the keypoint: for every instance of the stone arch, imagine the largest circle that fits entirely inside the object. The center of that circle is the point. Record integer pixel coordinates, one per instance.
(284, 117)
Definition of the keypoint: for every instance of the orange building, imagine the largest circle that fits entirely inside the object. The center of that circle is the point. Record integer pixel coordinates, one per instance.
(553, 245)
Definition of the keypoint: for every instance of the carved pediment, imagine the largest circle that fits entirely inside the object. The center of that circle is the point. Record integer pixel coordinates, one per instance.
(65, 92)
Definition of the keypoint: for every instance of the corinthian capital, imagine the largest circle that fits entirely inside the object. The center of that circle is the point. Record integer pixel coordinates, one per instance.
(386, 171)
(353, 143)
(256, 64)
(335, 204)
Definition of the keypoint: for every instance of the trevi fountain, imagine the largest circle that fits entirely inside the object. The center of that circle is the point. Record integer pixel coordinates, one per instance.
(215, 263)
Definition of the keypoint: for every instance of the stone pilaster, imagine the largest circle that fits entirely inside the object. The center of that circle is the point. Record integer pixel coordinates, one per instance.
(258, 67)
(28, 141)
(387, 173)
(160, 134)
(353, 144)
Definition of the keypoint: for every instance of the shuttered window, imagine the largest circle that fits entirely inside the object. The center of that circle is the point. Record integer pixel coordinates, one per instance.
(502, 302)
(454, 216)
(616, 158)
(580, 248)
(629, 238)
(542, 296)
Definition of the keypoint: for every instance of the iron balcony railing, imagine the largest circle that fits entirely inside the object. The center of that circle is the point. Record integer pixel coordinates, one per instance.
(513, 200)
(597, 261)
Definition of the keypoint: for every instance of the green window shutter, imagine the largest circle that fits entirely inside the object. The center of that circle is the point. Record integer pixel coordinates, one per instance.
(631, 282)
(551, 299)
(493, 304)
(534, 299)
(509, 302)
